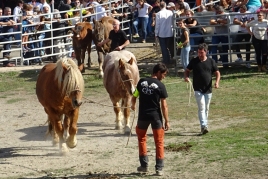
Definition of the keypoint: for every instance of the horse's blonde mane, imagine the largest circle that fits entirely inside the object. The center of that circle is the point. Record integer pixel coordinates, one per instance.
(117, 58)
(72, 80)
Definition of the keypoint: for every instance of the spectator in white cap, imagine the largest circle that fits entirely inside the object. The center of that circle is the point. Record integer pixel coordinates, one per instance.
(171, 6)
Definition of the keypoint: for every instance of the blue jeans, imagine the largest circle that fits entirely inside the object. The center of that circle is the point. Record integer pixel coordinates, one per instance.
(195, 40)
(185, 56)
(144, 23)
(164, 44)
(215, 41)
(252, 8)
(40, 44)
(203, 102)
(17, 36)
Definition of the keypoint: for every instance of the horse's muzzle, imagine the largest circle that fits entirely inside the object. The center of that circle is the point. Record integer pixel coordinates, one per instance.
(76, 103)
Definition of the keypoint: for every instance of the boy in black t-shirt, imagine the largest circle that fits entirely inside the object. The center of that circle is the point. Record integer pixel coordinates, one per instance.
(152, 93)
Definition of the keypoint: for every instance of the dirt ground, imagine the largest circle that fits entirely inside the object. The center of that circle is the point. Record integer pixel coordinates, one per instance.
(101, 151)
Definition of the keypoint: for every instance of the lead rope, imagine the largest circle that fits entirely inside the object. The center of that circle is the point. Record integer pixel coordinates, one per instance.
(190, 94)
(131, 128)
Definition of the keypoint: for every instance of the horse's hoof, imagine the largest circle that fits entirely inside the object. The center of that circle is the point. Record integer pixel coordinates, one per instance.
(127, 133)
(64, 149)
(71, 143)
(101, 75)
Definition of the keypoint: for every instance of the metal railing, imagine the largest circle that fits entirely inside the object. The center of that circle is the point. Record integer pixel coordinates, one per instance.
(33, 35)
(204, 19)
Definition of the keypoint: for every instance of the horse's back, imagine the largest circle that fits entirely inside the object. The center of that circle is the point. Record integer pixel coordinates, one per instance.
(110, 67)
(45, 82)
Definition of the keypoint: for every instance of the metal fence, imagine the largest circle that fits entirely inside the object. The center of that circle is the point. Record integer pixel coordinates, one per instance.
(204, 19)
(24, 57)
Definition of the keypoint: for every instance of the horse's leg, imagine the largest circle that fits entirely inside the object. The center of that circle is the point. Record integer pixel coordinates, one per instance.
(71, 140)
(57, 123)
(100, 60)
(66, 126)
(78, 58)
(88, 55)
(126, 105)
(83, 54)
(51, 130)
(118, 113)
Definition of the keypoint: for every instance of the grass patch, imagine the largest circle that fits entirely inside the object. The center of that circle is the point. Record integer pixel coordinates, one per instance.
(15, 100)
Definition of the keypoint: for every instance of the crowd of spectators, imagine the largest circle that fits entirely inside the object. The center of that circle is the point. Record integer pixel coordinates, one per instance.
(31, 20)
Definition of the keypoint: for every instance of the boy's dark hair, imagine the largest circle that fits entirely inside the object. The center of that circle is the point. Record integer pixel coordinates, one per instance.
(203, 46)
(160, 67)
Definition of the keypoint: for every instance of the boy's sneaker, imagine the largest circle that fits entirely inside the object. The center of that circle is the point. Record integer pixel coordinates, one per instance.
(136, 36)
(159, 172)
(239, 60)
(204, 130)
(142, 169)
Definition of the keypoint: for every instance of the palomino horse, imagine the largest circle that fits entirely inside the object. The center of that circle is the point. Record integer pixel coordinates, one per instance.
(59, 89)
(121, 75)
(82, 38)
(101, 32)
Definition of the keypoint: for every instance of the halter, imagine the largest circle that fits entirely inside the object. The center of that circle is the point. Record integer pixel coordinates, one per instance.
(125, 80)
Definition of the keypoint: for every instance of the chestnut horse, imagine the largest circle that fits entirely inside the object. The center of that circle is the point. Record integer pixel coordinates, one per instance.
(121, 75)
(59, 88)
(82, 38)
(102, 28)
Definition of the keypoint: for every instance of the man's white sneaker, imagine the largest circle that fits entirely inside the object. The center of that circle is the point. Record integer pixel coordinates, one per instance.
(239, 60)
(248, 65)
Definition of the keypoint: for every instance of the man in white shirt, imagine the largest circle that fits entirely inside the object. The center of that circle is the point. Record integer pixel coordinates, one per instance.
(44, 3)
(163, 31)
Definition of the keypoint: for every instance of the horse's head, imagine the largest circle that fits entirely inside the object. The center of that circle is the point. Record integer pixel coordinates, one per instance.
(80, 31)
(72, 83)
(99, 30)
(126, 74)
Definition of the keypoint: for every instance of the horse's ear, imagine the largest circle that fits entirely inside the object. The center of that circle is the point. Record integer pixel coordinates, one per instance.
(131, 61)
(121, 63)
(65, 69)
(110, 21)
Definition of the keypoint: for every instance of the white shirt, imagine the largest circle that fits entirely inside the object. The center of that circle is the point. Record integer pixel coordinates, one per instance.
(17, 13)
(259, 29)
(45, 4)
(163, 23)
(143, 12)
(99, 10)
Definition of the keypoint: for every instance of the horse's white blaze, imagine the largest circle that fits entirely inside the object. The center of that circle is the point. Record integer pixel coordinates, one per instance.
(132, 88)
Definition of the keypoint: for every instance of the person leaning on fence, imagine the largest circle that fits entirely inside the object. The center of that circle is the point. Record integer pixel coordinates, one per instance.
(6, 26)
(184, 43)
(163, 31)
(143, 9)
(242, 19)
(193, 24)
(117, 36)
(58, 39)
(203, 68)
(152, 95)
(259, 39)
(221, 28)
